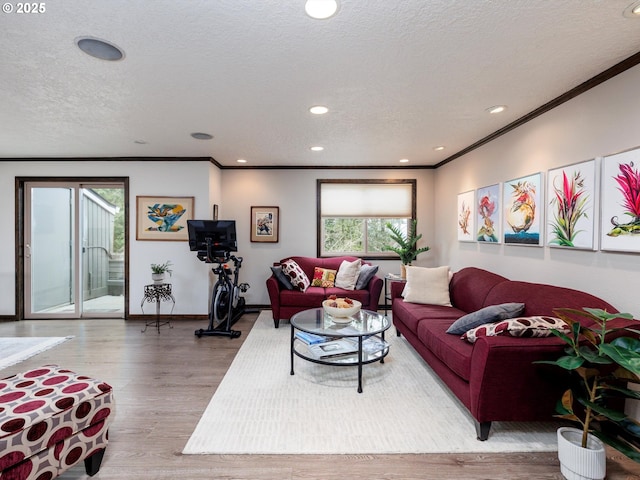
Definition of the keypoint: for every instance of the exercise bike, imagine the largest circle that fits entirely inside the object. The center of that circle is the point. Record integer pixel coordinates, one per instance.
(227, 306)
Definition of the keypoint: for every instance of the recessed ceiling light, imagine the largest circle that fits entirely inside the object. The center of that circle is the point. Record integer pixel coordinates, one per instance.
(201, 136)
(99, 48)
(318, 109)
(632, 11)
(497, 109)
(404, 160)
(439, 148)
(321, 9)
(241, 160)
(316, 149)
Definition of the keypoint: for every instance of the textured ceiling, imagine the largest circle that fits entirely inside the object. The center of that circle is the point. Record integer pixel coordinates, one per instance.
(399, 77)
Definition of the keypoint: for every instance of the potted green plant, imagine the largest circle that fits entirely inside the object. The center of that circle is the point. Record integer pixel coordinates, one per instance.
(601, 369)
(407, 245)
(159, 271)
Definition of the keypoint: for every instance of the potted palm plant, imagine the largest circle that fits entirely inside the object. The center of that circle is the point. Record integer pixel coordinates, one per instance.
(159, 271)
(601, 369)
(406, 245)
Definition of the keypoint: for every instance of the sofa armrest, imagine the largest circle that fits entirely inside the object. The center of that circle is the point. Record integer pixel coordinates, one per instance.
(396, 289)
(375, 289)
(273, 288)
(506, 384)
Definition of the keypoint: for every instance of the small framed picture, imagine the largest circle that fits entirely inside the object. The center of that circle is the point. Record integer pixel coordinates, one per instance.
(265, 224)
(163, 218)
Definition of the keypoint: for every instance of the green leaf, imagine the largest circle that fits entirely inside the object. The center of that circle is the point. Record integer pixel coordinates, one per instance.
(610, 413)
(619, 444)
(629, 359)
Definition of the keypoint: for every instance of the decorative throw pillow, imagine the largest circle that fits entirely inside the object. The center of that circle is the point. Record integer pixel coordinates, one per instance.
(427, 285)
(367, 272)
(323, 277)
(281, 277)
(537, 326)
(296, 275)
(489, 314)
(348, 274)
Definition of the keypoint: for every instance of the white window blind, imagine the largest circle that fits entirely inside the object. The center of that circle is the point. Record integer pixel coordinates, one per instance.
(365, 200)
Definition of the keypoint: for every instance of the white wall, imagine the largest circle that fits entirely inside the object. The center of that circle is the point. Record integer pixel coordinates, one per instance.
(294, 192)
(600, 122)
(188, 178)
(234, 191)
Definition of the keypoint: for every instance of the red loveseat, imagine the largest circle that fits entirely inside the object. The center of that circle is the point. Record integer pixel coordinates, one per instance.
(286, 303)
(495, 377)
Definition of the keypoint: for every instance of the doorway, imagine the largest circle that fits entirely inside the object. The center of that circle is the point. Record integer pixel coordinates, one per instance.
(74, 249)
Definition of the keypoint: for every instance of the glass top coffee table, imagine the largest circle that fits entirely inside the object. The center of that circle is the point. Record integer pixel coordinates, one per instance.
(321, 338)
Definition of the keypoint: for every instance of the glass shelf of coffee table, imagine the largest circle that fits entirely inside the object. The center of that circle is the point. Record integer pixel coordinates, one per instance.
(364, 334)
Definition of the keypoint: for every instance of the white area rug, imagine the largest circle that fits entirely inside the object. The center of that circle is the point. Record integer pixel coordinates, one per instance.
(259, 408)
(16, 349)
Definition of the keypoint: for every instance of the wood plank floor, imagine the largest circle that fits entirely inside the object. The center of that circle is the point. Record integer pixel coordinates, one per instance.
(163, 382)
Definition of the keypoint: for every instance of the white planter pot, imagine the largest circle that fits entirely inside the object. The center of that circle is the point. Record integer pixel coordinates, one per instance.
(157, 277)
(577, 463)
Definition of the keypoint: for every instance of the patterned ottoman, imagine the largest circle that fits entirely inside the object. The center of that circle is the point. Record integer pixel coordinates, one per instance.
(50, 420)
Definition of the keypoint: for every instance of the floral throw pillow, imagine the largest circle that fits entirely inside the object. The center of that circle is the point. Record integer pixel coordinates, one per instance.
(296, 275)
(536, 326)
(323, 277)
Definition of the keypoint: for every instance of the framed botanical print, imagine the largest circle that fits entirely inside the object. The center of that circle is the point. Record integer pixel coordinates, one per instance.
(522, 214)
(620, 210)
(466, 216)
(571, 200)
(488, 226)
(265, 224)
(163, 218)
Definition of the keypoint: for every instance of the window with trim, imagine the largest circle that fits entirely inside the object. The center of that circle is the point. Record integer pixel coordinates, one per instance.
(352, 215)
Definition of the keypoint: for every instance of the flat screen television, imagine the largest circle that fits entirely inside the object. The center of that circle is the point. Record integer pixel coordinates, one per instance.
(218, 235)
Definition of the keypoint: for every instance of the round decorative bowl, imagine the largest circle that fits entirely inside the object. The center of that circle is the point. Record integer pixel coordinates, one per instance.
(341, 312)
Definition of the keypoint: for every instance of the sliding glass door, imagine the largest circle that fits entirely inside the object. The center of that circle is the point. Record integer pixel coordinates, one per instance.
(74, 250)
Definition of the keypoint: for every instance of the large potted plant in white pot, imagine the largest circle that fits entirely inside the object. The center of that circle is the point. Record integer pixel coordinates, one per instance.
(406, 245)
(601, 368)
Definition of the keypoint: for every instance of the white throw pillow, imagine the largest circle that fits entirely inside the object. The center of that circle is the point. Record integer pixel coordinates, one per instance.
(348, 274)
(427, 285)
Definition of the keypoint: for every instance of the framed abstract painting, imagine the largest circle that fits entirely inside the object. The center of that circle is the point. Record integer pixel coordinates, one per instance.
(466, 216)
(522, 211)
(163, 218)
(571, 201)
(488, 226)
(620, 207)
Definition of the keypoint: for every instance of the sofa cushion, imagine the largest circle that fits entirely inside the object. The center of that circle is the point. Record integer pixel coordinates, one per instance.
(542, 299)
(367, 272)
(281, 277)
(489, 314)
(296, 275)
(427, 286)
(310, 298)
(323, 277)
(412, 313)
(528, 327)
(448, 348)
(470, 286)
(348, 274)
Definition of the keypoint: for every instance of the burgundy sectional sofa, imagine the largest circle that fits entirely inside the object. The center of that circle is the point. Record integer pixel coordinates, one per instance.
(495, 377)
(285, 303)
